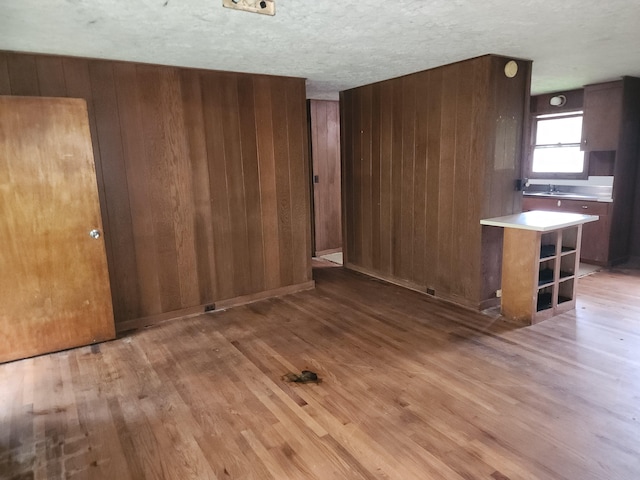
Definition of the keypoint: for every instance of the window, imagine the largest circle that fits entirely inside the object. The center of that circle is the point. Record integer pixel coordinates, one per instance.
(556, 146)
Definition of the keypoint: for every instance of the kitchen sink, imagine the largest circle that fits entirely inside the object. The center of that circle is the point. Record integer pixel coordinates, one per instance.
(573, 195)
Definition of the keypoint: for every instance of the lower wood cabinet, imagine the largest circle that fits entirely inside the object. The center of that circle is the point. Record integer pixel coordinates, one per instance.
(595, 235)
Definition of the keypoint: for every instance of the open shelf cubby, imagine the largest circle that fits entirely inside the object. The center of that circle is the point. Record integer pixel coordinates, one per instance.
(569, 239)
(546, 271)
(566, 291)
(548, 243)
(556, 270)
(539, 276)
(544, 300)
(564, 265)
(568, 265)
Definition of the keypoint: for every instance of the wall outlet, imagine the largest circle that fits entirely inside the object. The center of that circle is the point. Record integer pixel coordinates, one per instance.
(499, 293)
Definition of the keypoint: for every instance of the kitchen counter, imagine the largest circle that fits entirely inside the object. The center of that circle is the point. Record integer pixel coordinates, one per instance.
(596, 189)
(539, 220)
(540, 259)
(570, 196)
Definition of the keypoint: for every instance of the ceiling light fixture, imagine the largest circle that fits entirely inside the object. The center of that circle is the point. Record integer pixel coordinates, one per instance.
(557, 100)
(265, 7)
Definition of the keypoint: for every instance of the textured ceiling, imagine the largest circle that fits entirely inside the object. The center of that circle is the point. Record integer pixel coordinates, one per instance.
(338, 44)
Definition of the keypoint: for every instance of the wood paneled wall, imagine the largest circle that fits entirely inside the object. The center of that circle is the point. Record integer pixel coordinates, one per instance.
(203, 177)
(324, 123)
(628, 170)
(425, 157)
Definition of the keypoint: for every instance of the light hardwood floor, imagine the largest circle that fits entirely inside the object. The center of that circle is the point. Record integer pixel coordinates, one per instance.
(411, 389)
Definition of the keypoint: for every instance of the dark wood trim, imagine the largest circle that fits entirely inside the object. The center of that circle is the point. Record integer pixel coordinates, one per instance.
(539, 104)
(277, 292)
(328, 252)
(221, 305)
(450, 299)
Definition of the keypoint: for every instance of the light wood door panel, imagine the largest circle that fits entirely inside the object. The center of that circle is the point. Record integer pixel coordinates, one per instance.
(54, 284)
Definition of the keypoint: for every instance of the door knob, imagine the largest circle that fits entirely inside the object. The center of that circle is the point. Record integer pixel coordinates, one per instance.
(95, 233)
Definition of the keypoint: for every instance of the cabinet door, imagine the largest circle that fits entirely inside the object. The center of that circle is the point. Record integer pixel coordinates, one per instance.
(549, 204)
(595, 241)
(582, 206)
(602, 116)
(595, 235)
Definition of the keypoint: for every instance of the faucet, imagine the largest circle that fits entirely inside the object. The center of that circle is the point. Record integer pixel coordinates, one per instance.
(552, 188)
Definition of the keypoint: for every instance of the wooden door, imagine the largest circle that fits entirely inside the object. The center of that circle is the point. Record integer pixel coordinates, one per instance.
(54, 284)
(325, 154)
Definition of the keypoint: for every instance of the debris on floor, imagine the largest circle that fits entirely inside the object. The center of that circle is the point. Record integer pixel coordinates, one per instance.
(306, 376)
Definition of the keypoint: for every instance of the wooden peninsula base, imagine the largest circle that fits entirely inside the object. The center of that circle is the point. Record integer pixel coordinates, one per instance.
(540, 260)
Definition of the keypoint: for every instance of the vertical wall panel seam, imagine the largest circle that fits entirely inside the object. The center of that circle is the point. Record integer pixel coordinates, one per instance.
(287, 96)
(152, 222)
(213, 275)
(258, 164)
(245, 221)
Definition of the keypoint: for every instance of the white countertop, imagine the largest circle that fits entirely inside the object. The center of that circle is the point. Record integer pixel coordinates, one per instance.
(539, 220)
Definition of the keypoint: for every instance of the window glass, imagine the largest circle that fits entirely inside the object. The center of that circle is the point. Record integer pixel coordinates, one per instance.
(557, 144)
(559, 130)
(558, 160)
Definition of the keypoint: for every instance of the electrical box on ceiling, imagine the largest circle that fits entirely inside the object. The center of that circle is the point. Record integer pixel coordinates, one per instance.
(266, 7)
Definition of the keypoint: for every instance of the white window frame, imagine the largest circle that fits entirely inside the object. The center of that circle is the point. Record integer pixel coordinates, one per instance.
(554, 175)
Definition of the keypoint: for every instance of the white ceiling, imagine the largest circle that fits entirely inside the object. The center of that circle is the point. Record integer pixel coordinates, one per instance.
(337, 44)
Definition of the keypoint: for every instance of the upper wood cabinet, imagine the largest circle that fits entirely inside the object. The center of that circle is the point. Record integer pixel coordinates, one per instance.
(602, 116)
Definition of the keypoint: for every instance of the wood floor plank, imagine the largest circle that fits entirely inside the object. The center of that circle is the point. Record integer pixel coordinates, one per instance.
(411, 388)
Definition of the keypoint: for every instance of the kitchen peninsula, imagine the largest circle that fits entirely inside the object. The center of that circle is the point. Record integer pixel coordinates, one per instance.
(540, 259)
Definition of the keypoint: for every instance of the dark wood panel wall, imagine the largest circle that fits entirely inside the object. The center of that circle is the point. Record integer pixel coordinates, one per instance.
(425, 157)
(625, 234)
(203, 177)
(324, 124)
